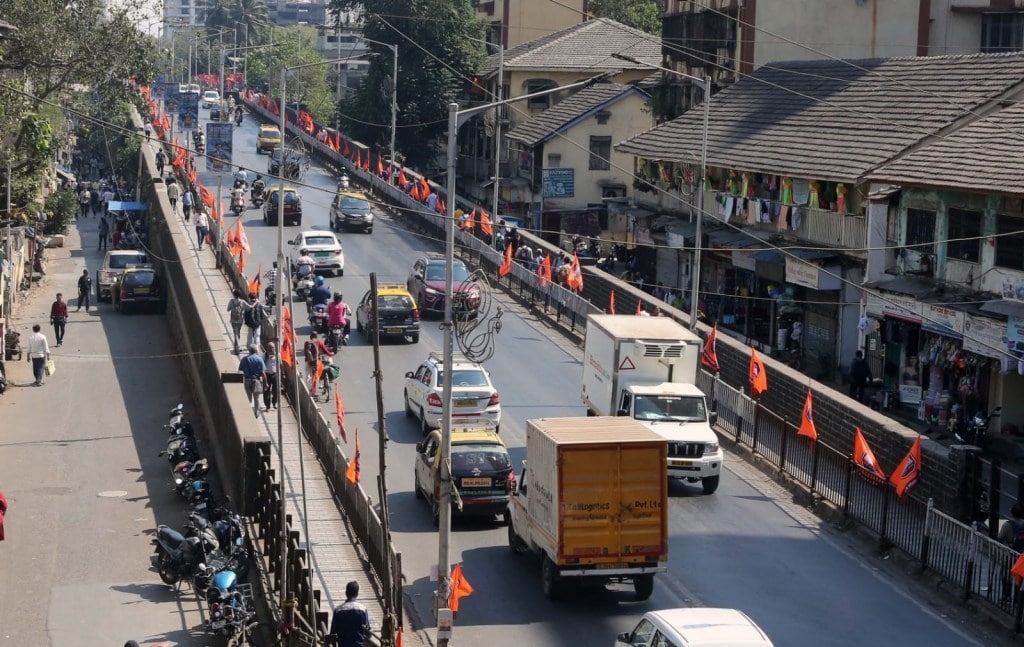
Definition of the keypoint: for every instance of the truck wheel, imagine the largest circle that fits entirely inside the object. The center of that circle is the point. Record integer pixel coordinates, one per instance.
(643, 586)
(514, 541)
(710, 484)
(549, 579)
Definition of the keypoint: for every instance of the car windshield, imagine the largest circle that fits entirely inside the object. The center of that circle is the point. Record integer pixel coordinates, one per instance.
(320, 241)
(138, 279)
(122, 261)
(435, 272)
(290, 197)
(479, 456)
(269, 132)
(676, 408)
(465, 377)
(354, 204)
(397, 302)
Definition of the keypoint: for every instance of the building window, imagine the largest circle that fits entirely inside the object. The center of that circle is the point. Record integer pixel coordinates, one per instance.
(1002, 32)
(554, 160)
(538, 85)
(603, 116)
(1010, 248)
(921, 231)
(964, 225)
(600, 153)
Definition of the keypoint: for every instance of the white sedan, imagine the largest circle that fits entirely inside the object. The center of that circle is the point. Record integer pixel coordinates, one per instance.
(210, 97)
(325, 248)
(474, 397)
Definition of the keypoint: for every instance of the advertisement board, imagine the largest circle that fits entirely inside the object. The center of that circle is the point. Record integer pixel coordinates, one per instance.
(559, 183)
(188, 110)
(218, 146)
(985, 336)
(942, 320)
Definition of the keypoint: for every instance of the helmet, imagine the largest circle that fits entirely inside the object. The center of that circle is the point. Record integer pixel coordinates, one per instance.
(304, 252)
(319, 280)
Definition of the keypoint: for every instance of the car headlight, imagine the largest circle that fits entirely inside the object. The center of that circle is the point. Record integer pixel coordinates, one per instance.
(711, 448)
(431, 291)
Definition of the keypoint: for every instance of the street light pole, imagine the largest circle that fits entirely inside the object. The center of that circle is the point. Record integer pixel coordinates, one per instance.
(699, 231)
(394, 101)
(455, 119)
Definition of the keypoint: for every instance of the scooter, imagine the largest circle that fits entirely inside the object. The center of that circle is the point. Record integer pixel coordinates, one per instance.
(181, 448)
(337, 337)
(238, 117)
(975, 430)
(256, 195)
(185, 472)
(238, 204)
(318, 318)
(343, 182)
(200, 143)
(302, 285)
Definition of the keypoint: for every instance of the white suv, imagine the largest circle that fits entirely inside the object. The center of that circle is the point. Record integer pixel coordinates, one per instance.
(473, 395)
(694, 627)
(210, 97)
(325, 248)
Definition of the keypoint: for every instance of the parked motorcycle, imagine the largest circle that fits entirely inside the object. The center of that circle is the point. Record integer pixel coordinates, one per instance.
(179, 558)
(187, 472)
(230, 613)
(975, 430)
(181, 447)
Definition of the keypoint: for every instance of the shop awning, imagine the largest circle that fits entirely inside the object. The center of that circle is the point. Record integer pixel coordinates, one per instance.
(1005, 307)
(910, 286)
(770, 256)
(65, 173)
(731, 239)
(812, 254)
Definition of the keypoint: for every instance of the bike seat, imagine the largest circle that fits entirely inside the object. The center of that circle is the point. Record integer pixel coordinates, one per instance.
(169, 536)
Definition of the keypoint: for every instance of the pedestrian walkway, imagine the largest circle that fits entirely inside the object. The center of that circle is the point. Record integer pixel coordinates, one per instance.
(331, 543)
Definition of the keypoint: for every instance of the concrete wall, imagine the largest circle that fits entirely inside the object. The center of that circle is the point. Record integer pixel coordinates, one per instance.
(528, 20)
(518, 112)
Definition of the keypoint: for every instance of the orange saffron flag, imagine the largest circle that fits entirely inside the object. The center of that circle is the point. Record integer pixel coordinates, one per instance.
(611, 303)
(485, 223)
(402, 180)
(544, 271)
(241, 261)
(254, 284)
(240, 236)
(316, 376)
(414, 192)
(709, 356)
(506, 264)
(380, 165)
(807, 419)
(907, 473)
(575, 279)
(287, 337)
(352, 473)
(758, 375)
(461, 588)
(339, 411)
(1017, 570)
(865, 459)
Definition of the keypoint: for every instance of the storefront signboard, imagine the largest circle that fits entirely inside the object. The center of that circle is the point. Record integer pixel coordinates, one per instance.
(1015, 334)
(812, 275)
(910, 394)
(985, 336)
(744, 259)
(559, 182)
(898, 306)
(942, 320)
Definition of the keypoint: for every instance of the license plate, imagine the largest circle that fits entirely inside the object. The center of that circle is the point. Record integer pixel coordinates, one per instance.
(323, 254)
(393, 331)
(140, 291)
(465, 403)
(481, 481)
(679, 463)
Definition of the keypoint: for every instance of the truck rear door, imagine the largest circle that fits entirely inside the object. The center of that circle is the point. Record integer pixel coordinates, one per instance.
(612, 501)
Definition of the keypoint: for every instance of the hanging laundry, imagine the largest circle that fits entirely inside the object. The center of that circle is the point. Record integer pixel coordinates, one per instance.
(841, 198)
(730, 204)
(787, 190)
(812, 201)
(783, 220)
(796, 216)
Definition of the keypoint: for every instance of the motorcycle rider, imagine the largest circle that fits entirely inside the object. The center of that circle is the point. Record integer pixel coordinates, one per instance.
(337, 316)
(258, 186)
(343, 182)
(242, 178)
(321, 294)
(304, 266)
(238, 198)
(238, 115)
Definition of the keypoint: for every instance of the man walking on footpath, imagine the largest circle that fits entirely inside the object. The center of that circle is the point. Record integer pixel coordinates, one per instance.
(860, 375)
(254, 372)
(38, 353)
(270, 362)
(161, 159)
(84, 290)
(172, 195)
(186, 203)
(254, 315)
(202, 225)
(104, 233)
(236, 316)
(350, 623)
(59, 318)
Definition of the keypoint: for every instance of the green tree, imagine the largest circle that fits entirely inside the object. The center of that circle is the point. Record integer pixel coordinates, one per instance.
(246, 18)
(293, 46)
(432, 72)
(644, 15)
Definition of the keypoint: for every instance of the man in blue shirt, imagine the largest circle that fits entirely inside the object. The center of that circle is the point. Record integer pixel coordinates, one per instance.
(321, 294)
(351, 623)
(254, 373)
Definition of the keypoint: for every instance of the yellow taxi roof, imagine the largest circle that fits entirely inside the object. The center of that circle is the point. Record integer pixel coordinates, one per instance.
(269, 128)
(354, 194)
(466, 435)
(392, 289)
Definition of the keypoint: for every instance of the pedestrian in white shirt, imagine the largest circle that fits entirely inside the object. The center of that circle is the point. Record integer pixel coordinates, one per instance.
(38, 353)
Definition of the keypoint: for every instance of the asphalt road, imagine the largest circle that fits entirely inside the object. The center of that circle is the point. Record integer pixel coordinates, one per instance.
(79, 466)
(742, 547)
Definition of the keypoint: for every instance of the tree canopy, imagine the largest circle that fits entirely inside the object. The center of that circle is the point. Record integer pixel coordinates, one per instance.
(436, 59)
(295, 45)
(644, 15)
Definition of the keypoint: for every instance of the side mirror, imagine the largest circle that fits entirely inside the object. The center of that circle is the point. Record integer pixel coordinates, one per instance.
(408, 374)
(623, 637)
(291, 242)
(515, 488)
(419, 276)
(713, 418)
(419, 448)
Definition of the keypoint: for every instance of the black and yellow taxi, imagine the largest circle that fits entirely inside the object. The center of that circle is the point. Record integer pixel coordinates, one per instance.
(136, 287)
(481, 469)
(395, 313)
(268, 138)
(292, 206)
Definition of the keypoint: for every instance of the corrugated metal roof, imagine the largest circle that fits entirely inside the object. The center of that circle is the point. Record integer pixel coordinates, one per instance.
(827, 119)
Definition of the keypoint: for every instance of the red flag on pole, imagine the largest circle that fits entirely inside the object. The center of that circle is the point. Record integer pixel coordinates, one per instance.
(1017, 570)
(758, 376)
(908, 471)
(544, 271)
(352, 473)
(339, 409)
(241, 261)
(807, 419)
(865, 459)
(461, 588)
(287, 337)
(709, 356)
(506, 265)
(254, 284)
(611, 303)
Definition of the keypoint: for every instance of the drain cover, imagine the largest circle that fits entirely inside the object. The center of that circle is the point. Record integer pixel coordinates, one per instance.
(112, 494)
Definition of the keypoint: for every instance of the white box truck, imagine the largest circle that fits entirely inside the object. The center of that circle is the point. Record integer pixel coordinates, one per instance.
(646, 368)
(592, 502)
